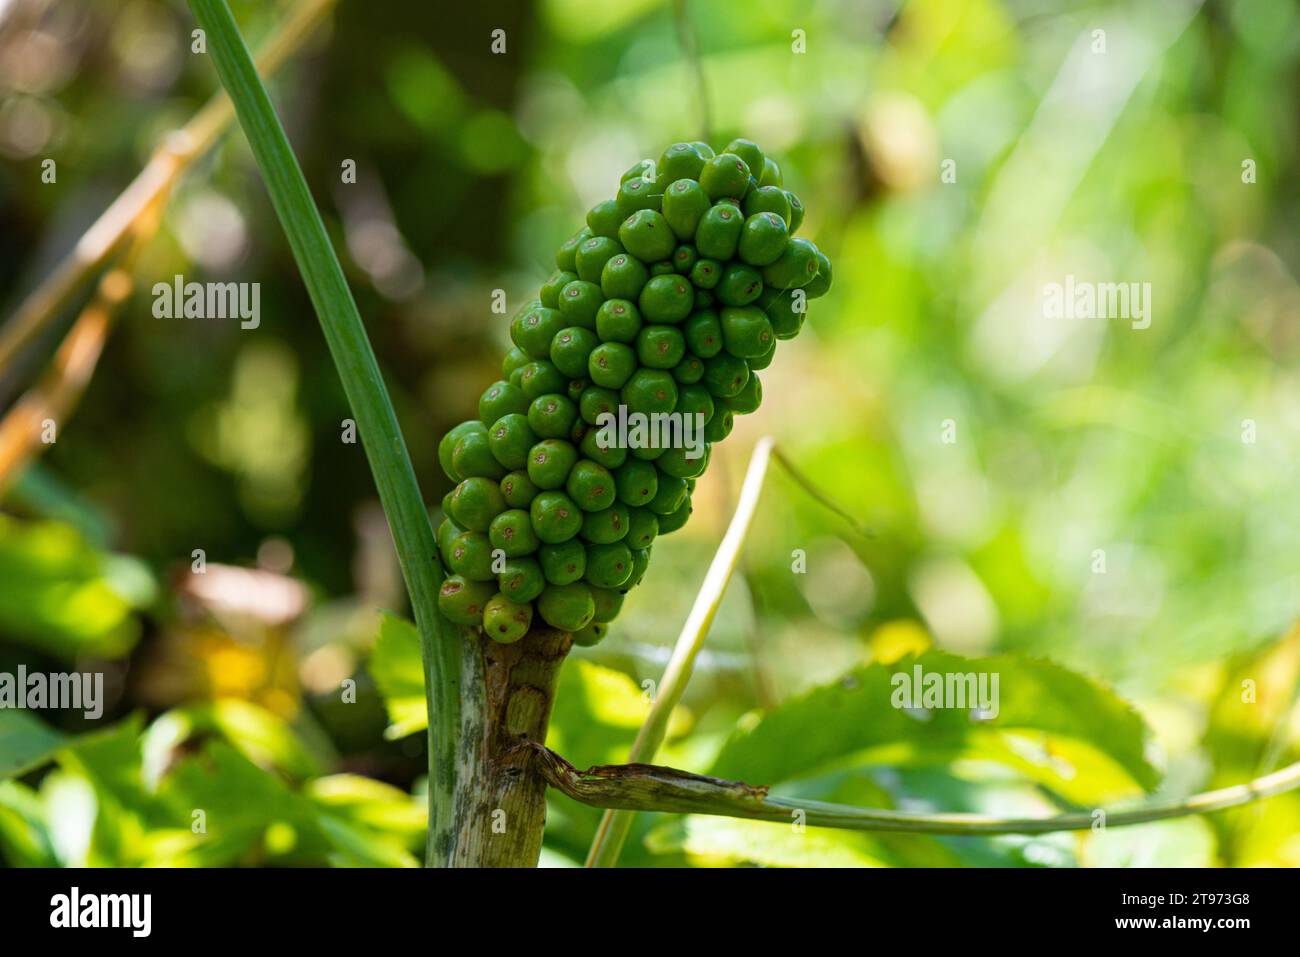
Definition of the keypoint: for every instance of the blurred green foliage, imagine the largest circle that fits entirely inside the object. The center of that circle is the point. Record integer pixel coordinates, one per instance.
(1116, 500)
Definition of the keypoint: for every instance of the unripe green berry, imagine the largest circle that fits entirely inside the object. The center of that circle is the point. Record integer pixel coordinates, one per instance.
(515, 358)
(549, 463)
(771, 174)
(623, 277)
(564, 256)
(532, 330)
(666, 298)
(591, 635)
(462, 601)
(512, 533)
(746, 331)
(748, 399)
(603, 219)
(703, 332)
(642, 169)
(521, 579)
(601, 450)
(506, 621)
(719, 427)
(718, 233)
(660, 347)
(618, 321)
(763, 239)
(750, 152)
(596, 401)
(684, 203)
(475, 502)
(768, 199)
(649, 391)
(680, 161)
(563, 562)
(796, 211)
(759, 363)
(510, 440)
(606, 526)
(610, 365)
(471, 556)
(642, 527)
(447, 446)
(672, 522)
(556, 517)
(570, 349)
(640, 562)
(472, 457)
(608, 566)
(694, 399)
(705, 274)
(636, 482)
(740, 285)
(549, 294)
(567, 607)
(579, 301)
(688, 372)
(501, 398)
(669, 496)
(637, 195)
(684, 463)
(725, 374)
(517, 489)
(647, 236)
(821, 283)
(540, 377)
(786, 313)
(591, 486)
(593, 254)
(796, 267)
(725, 175)
(552, 416)
(607, 603)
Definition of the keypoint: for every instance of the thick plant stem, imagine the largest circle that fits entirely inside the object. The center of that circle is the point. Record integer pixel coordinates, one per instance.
(349, 347)
(501, 792)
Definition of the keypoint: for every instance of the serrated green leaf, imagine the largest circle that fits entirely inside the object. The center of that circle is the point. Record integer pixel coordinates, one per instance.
(1054, 726)
(398, 670)
(243, 807)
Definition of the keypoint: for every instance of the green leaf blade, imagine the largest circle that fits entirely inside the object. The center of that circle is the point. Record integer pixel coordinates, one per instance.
(1051, 724)
(25, 742)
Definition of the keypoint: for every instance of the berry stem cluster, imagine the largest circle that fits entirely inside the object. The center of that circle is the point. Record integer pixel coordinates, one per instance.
(666, 304)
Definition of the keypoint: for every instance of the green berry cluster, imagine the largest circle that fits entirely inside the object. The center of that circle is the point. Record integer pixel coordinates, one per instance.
(671, 299)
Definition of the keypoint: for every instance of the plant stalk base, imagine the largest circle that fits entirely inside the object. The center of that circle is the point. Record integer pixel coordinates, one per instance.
(507, 693)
